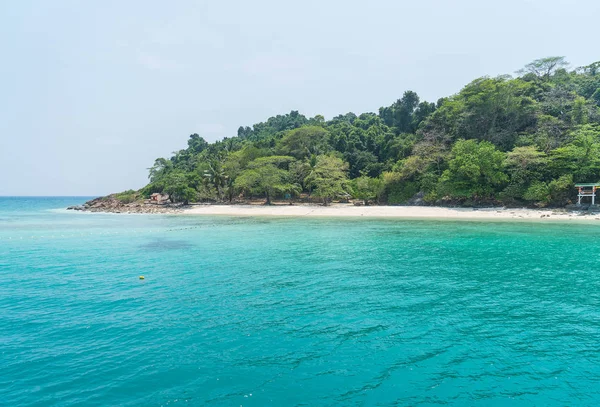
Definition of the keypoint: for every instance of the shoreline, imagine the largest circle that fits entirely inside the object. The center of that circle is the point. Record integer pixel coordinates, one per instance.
(339, 210)
(398, 212)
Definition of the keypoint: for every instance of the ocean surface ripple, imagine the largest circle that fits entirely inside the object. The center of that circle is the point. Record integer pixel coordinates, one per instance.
(291, 312)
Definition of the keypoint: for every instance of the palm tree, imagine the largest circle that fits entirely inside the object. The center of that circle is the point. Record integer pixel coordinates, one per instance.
(216, 174)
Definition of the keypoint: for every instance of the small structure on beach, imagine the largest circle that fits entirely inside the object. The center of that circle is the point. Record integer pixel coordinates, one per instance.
(585, 190)
(158, 198)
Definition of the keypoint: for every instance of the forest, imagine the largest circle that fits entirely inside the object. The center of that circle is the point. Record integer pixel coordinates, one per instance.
(513, 141)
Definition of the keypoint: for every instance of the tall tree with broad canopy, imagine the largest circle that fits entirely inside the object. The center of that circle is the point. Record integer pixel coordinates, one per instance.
(329, 178)
(177, 185)
(580, 157)
(544, 67)
(268, 176)
(304, 142)
(474, 170)
(367, 188)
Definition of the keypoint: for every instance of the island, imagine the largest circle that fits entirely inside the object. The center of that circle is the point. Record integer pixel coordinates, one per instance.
(513, 142)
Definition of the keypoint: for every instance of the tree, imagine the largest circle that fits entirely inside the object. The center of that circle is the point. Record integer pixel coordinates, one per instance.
(474, 170)
(401, 114)
(544, 67)
(217, 175)
(524, 165)
(196, 143)
(160, 168)
(558, 102)
(580, 112)
(177, 185)
(267, 176)
(592, 69)
(304, 142)
(554, 192)
(596, 97)
(492, 109)
(329, 178)
(580, 157)
(302, 170)
(362, 162)
(367, 188)
(273, 126)
(397, 189)
(244, 132)
(550, 133)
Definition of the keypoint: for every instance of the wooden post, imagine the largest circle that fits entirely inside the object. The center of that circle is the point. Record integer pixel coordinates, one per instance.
(593, 195)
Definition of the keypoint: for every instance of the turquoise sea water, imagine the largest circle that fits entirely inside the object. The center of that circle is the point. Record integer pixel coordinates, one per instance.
(288, 312)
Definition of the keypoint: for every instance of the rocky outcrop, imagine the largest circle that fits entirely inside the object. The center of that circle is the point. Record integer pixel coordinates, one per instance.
(417, 199)
(113, 205)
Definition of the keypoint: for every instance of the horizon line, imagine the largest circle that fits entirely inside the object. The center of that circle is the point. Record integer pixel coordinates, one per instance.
(48, 196)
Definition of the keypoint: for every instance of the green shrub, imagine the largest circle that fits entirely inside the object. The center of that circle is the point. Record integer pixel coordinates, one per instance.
(127, 197)
(555, 192)
(538, 192)
(397, 190)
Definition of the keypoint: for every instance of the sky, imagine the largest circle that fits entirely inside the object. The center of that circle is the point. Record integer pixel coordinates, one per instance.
(91, 92)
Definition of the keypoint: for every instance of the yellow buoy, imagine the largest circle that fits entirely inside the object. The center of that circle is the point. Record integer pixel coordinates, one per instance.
(141, 277)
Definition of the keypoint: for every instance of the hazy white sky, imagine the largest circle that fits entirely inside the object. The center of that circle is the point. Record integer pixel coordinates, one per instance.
(93, 91)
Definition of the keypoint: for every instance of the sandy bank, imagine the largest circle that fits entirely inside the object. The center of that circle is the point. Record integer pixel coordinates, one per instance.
(345, 210)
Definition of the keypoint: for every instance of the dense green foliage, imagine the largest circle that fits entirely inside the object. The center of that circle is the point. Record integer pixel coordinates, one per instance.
(513, 141)
(127, 196)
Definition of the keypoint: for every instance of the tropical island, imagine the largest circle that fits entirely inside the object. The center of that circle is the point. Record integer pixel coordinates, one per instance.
(521, 141)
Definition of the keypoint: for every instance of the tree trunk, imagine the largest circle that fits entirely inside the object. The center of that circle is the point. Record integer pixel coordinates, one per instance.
(268, 198)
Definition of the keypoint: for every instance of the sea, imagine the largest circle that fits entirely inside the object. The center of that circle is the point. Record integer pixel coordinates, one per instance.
(266, 311)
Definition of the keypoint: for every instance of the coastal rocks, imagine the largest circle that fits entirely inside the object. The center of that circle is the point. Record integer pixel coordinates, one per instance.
(583, 208)
(111, 204)
(577, 207)
(76, 208)
(417, 199)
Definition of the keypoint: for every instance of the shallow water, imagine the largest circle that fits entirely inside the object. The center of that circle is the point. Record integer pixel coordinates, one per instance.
(268, 311)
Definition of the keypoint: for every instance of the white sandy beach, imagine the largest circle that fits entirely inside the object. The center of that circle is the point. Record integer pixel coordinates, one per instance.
(422, 212)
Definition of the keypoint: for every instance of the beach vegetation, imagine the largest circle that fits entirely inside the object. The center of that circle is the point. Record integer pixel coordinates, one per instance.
(269, 176)
(328, 180)
(128, 196)
(367, 189)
